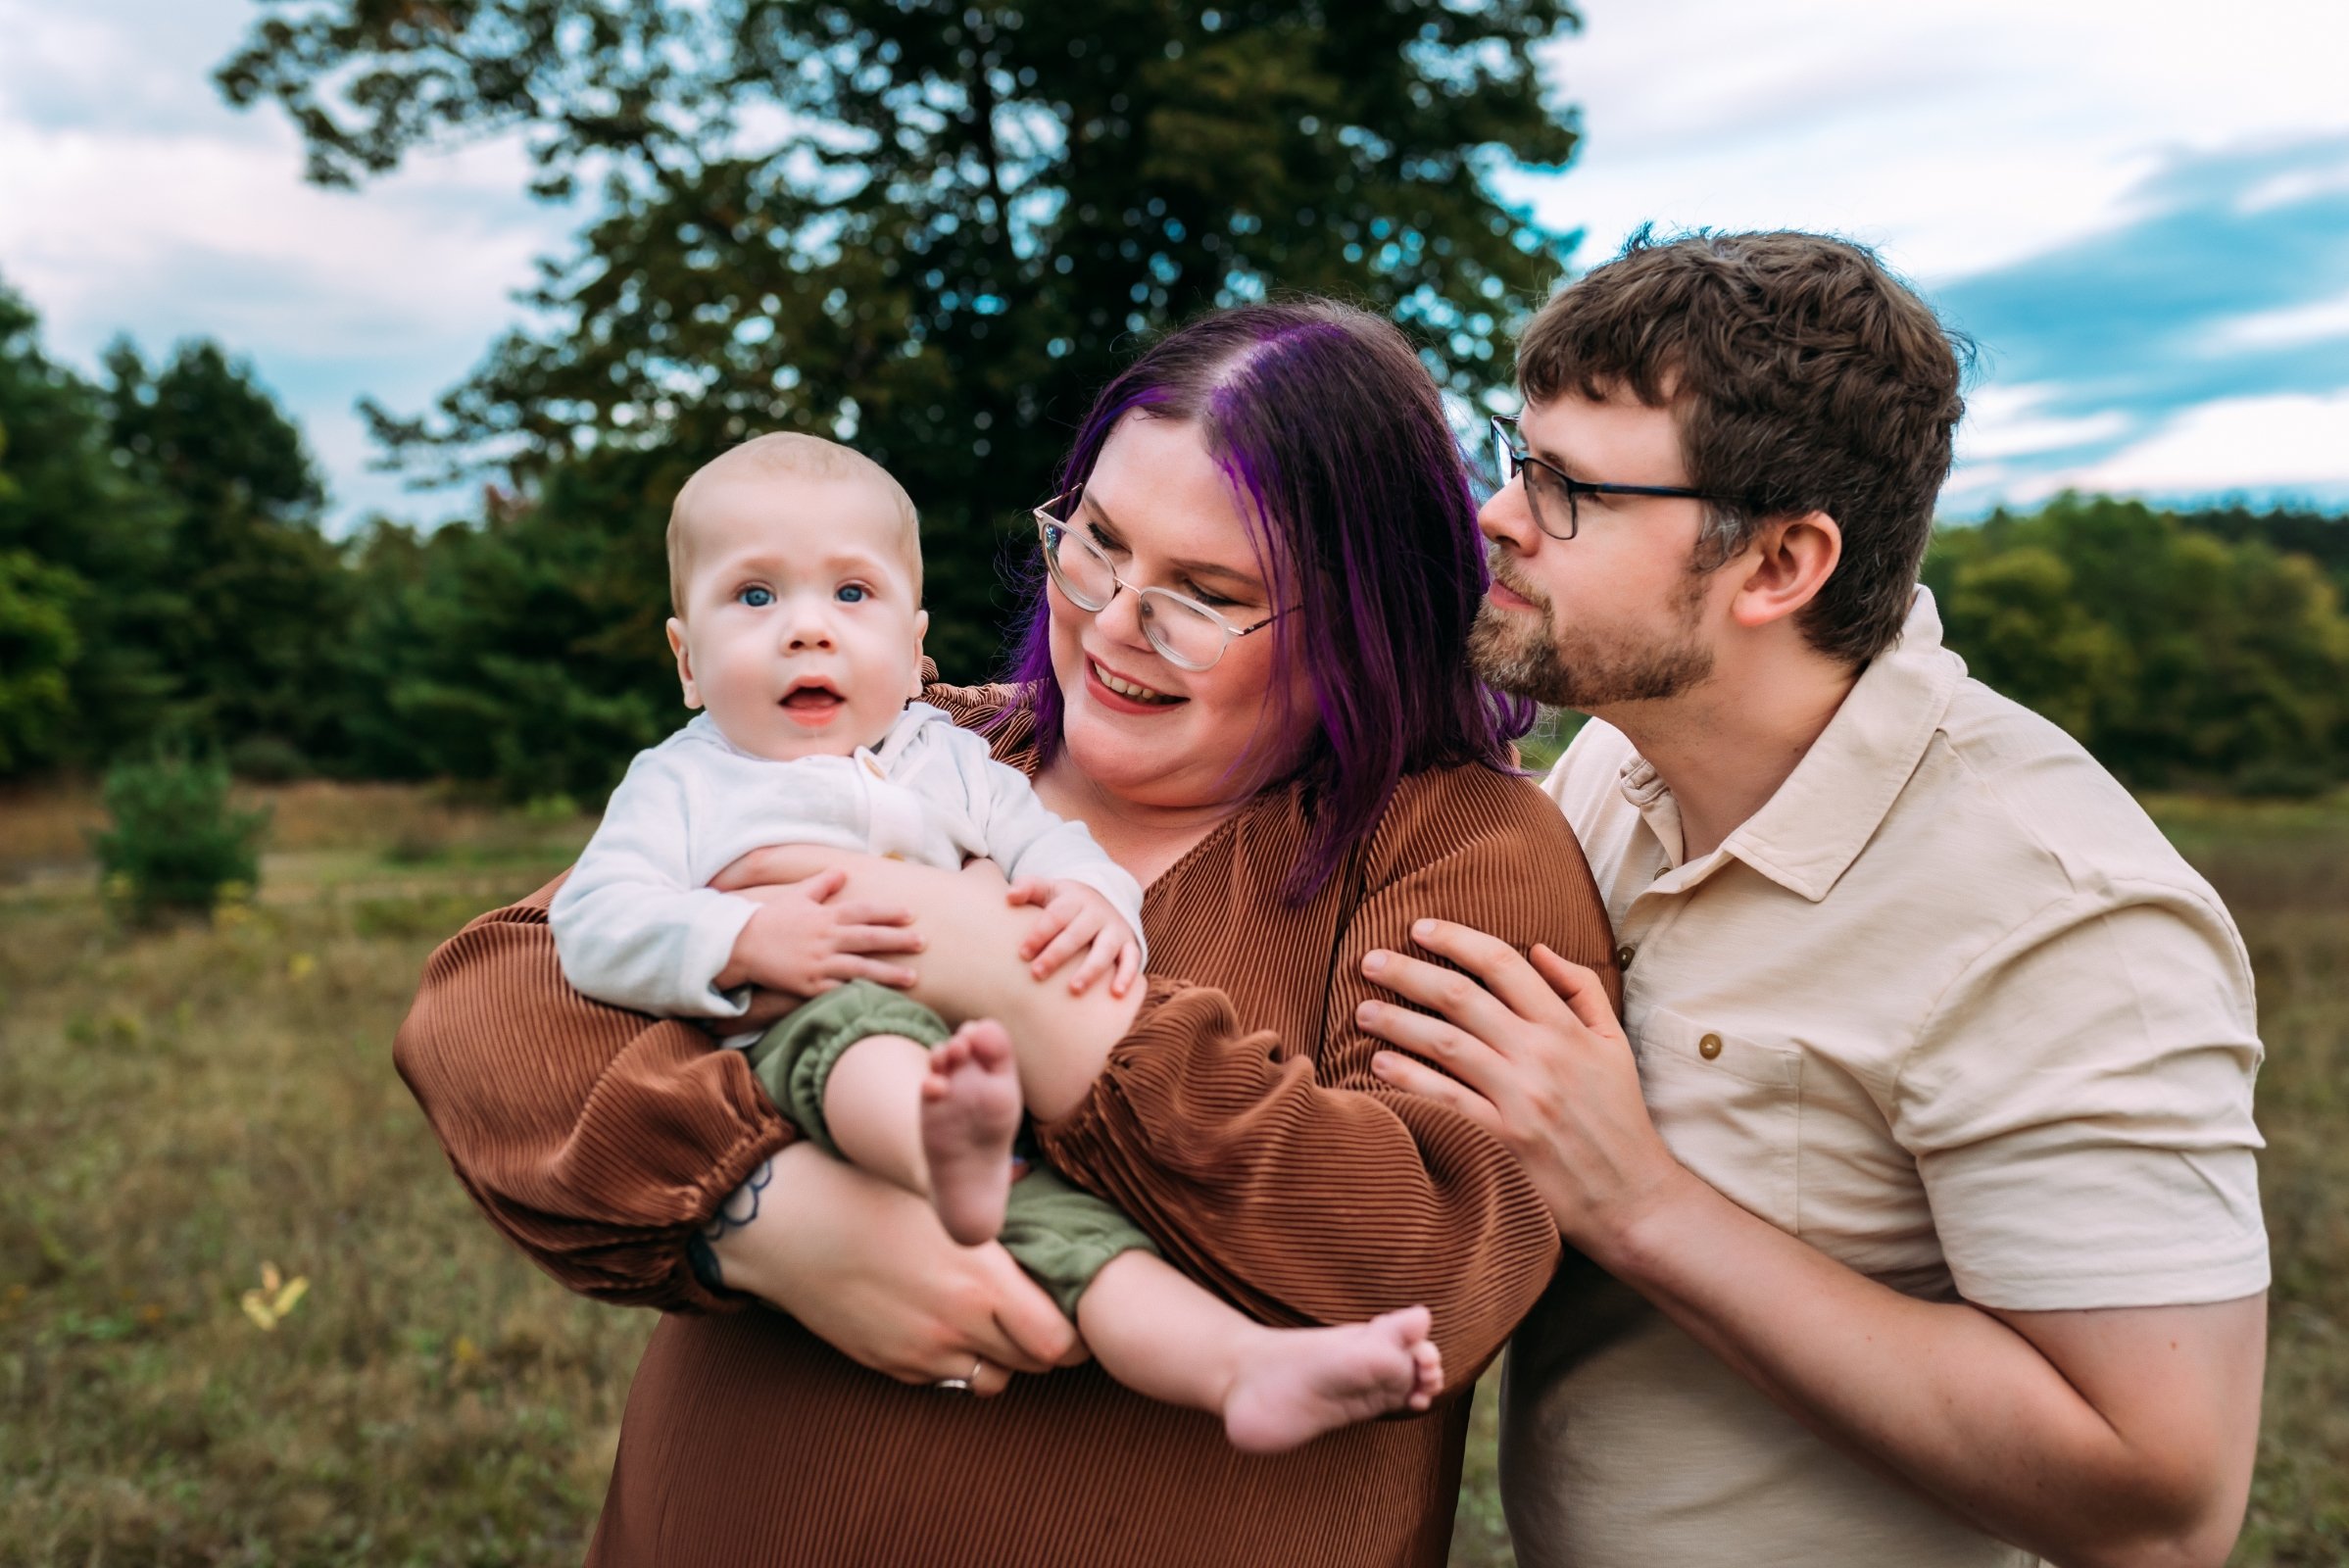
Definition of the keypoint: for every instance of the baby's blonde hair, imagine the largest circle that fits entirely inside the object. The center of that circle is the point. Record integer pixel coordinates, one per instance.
(788, 454)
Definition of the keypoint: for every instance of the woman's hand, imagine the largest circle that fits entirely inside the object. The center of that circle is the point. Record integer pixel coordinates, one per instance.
(866, 1267)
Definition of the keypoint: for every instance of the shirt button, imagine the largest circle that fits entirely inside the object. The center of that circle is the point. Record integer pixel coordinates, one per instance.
(1709, 1047)
(1623, 956)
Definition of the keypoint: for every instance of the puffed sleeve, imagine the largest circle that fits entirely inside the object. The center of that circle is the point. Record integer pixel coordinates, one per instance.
(1283, 1172)
(596, 1140)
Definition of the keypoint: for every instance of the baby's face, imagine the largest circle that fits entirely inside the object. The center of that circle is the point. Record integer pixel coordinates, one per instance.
(801, 633)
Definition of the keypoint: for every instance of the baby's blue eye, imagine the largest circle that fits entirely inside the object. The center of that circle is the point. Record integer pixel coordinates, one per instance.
(755, 597)
(851, 593)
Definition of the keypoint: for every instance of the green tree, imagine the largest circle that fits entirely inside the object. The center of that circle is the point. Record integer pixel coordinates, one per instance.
(263, 603)
(518, 653)
(928, 225)
(2016, 614)
(90, 539)
(2177, 656)
(2322, 537)
(37, 650)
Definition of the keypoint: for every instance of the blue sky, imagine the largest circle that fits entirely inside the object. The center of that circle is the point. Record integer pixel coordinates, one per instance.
(2140, 211)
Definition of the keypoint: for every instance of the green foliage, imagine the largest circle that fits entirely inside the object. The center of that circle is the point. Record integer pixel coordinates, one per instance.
(173, 519)
(65, 503)
(37, 649)
(519, 653)
(931, 226)
(2317, 536)
(2179, 657)
(262, 603)
(175, 845)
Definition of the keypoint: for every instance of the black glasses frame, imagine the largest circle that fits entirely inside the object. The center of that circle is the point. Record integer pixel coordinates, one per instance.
(1516, 459)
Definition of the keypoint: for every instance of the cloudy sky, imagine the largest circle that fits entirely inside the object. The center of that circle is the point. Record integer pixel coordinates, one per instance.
(2139, 208)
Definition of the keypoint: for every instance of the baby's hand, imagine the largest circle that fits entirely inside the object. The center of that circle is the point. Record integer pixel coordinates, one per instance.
(801, 942)
(1078, 919)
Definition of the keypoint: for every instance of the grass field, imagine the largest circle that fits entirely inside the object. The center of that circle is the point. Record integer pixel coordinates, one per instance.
(185, 1108)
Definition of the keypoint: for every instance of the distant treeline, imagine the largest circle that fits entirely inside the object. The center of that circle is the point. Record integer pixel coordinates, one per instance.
(2191, 650)
(164, 577)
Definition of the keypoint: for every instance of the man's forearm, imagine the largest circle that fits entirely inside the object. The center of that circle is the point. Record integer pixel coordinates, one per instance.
(1942, 1395)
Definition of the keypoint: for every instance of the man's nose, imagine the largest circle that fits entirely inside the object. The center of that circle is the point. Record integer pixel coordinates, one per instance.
(1506, 520)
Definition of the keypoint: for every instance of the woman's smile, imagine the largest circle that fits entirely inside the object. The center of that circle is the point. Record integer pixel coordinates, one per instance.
(1125, 695)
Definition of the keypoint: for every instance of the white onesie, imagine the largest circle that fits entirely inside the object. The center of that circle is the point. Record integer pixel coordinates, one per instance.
(639, 926)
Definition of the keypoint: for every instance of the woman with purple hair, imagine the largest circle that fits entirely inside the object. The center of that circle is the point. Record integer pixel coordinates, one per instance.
(1246, 674)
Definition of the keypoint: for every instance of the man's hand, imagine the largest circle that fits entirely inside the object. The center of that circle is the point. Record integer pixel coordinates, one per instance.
(1078, 919)
(2092, 1438)
(801, 939)
(1533, 1052)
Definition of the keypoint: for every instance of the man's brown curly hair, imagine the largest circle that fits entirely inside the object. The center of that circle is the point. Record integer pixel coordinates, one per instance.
(1805, 379)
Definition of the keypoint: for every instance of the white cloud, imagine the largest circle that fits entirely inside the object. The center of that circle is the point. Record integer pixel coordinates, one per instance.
(2301, 184)
(2005, 421)
(132, 198)
(1954, 134)
(114, 227)
(2261, 444)
(2286, 327)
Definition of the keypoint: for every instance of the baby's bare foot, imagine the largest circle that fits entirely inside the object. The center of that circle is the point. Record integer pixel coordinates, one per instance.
(970, 1110)
(1304, 1382)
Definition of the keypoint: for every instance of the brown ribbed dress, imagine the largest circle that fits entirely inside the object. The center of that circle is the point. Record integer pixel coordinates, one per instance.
(1237, 1123)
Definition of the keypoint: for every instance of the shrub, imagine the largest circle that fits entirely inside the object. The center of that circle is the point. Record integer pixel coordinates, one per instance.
(175, 843)
(268, 760)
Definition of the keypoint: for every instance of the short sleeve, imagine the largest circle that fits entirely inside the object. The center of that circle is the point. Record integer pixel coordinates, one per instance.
(2080, 1109)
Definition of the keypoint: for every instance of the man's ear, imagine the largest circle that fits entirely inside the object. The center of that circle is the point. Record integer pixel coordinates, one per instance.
(676, 644)
(921, 629)
(1788, 562)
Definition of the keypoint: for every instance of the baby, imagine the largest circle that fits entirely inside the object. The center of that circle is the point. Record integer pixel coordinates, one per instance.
(796, 575)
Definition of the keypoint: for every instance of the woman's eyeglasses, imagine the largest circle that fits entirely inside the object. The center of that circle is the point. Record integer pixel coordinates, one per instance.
(1186, 633)
(1553, 496)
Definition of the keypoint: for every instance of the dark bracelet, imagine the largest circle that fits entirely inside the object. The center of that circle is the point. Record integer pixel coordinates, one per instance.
(739, 1208)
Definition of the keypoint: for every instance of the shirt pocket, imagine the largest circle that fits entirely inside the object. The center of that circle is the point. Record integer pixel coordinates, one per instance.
(1730, 1108)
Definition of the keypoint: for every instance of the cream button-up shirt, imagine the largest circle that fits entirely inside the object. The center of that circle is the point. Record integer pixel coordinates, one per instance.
(1948, 1008)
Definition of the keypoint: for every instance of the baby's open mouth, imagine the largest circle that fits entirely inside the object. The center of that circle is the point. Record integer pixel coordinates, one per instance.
(812, 699)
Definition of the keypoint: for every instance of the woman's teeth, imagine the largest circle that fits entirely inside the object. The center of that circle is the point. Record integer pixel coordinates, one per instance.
(1126, 688)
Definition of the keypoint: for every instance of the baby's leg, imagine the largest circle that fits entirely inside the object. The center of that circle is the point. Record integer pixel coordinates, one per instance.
(969, 968)
(1161, 1335)
(938, 1123)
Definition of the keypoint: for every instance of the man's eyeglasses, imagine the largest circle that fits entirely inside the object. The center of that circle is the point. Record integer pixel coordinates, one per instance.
(1554, 496)
(1187, 634)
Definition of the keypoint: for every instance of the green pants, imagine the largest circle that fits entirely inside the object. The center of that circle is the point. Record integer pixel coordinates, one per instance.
(1061, 1235)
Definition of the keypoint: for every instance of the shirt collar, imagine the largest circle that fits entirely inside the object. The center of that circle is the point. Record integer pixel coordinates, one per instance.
(1807, 834)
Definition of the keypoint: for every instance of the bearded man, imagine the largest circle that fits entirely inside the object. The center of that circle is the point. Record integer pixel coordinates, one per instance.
(1923, 1150)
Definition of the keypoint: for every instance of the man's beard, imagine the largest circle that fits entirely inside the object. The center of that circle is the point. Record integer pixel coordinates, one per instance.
(1528, 655)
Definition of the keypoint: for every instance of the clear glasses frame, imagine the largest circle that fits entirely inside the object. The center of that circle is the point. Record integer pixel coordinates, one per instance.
(1162, 610)
(1512, 458)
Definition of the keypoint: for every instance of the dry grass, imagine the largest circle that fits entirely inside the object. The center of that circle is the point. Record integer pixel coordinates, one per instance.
(2283, 869)
(181, 1107)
